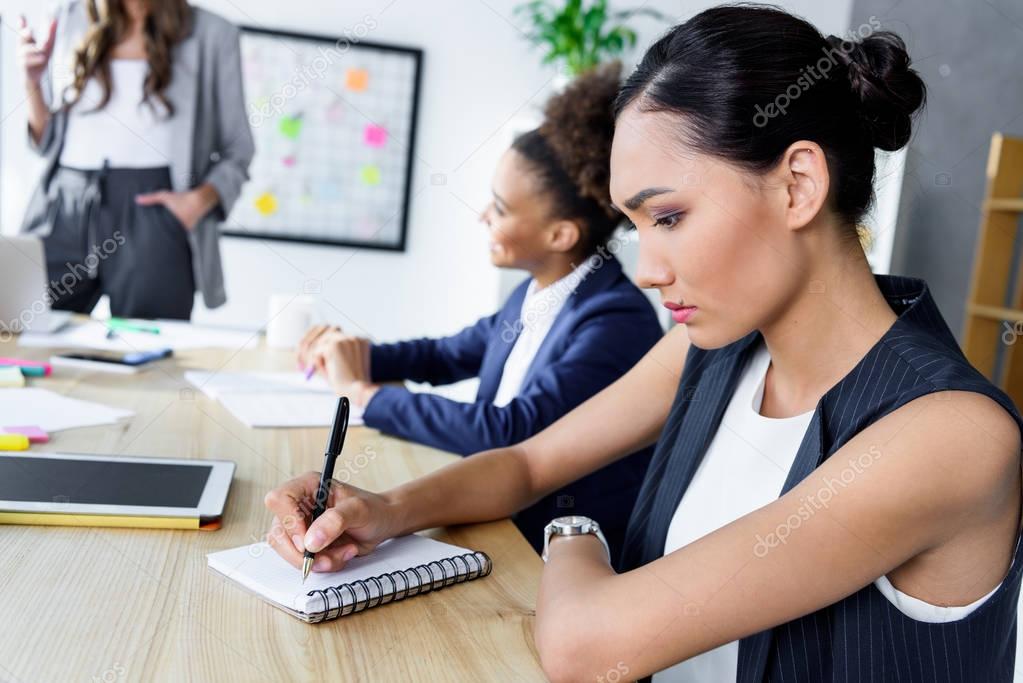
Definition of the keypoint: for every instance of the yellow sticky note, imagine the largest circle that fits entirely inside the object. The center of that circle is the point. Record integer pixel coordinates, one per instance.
(266, 203)
(11, 377)
(370, 174)
(357, 80)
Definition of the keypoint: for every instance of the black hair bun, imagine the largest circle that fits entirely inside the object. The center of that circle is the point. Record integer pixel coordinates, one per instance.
(889, 91)
(578, 126)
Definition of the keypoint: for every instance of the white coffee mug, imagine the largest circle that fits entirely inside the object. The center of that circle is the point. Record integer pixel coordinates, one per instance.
(289, 316)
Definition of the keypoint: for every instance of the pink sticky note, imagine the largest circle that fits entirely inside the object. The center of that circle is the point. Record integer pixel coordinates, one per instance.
(34, 434)
(288, 161)
(375, 136)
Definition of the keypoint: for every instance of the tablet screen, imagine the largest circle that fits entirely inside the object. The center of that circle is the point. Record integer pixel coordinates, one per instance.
(101, 482)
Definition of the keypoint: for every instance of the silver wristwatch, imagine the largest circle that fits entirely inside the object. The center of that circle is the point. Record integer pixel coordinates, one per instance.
(573, 525)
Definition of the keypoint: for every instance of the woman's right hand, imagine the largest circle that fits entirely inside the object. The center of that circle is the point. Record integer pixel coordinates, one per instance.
(32, 57)
(354, 522)
(308, 343)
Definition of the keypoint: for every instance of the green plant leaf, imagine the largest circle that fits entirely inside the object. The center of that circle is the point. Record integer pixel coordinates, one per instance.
(580, 34)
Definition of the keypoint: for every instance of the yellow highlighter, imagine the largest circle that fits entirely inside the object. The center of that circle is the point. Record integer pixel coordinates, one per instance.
(13, 442)
(57, 519)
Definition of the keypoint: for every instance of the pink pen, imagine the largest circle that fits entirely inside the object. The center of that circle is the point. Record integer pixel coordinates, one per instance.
(309, 372)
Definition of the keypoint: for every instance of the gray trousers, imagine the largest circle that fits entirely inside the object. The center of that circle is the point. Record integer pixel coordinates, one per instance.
(97, 241)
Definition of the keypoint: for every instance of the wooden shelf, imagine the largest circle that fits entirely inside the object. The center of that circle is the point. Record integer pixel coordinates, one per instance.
(995, 312)
(1011, 205)
(985, 342)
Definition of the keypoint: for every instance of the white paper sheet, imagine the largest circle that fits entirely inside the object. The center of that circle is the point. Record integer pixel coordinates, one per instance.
(216, 384)
(285, 410)
(272, 399)
(53, 412)
(174, 334)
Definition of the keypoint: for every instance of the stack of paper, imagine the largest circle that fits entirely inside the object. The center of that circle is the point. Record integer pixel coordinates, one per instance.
(272, 399)
(52, 412)
(174, 334)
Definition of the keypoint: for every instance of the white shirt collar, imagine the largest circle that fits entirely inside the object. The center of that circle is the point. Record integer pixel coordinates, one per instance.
(546, 303)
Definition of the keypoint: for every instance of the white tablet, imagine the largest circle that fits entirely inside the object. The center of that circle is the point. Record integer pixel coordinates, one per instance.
(65, 483)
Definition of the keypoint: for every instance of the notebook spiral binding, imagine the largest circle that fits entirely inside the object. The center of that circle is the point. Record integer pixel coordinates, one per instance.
(418, 580)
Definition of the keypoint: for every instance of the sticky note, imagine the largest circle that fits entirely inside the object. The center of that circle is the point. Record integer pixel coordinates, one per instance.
(374, 135)
(288, 161)
(34, 434)
(266, 203)
(290, 126)
(357, 80)
(11, 377)
(370, 174)
(13, 442)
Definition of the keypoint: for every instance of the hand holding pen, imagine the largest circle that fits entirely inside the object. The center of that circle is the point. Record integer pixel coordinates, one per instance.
(335, 442)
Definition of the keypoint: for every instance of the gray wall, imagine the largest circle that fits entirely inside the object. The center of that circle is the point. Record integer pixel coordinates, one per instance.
(970, 54)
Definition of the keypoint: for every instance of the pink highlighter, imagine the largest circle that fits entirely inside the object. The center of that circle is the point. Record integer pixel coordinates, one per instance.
(34, 434)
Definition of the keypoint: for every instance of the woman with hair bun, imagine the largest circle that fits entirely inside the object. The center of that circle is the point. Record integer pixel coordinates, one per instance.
(573, 327)
(835, 492)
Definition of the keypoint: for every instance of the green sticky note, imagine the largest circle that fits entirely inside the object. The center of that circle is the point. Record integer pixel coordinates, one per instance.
(370, 174)
(291, 126)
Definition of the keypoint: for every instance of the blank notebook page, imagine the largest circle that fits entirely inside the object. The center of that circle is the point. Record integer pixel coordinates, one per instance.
(259, 568)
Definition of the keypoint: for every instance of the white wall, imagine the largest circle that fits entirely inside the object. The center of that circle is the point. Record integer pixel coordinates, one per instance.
(478, 76)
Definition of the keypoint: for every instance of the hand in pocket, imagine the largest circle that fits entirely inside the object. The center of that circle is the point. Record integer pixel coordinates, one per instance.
(186, 207)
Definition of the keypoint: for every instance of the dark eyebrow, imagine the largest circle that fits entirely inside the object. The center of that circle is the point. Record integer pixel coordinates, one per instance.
(636, 200)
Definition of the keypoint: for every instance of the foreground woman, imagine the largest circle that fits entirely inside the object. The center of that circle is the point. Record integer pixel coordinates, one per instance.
(835, 494)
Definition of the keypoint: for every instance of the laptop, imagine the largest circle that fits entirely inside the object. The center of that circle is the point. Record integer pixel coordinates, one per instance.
(24, 288)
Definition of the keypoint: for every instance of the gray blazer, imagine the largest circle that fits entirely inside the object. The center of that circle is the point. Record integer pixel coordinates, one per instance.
(206, 90)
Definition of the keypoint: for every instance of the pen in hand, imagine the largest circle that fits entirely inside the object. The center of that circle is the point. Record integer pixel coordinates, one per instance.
(335, 443)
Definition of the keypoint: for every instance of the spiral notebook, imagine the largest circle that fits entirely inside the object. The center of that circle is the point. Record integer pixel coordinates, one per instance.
(399, 568)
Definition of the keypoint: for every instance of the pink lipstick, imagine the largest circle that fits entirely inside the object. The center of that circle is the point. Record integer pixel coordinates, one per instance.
(679, 313)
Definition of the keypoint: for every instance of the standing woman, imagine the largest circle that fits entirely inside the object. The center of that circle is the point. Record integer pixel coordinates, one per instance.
(138, 108)
(835, 494)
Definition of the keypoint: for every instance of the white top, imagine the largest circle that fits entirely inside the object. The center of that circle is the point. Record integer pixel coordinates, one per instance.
(744, 469)
(540, 308)
(127, 132)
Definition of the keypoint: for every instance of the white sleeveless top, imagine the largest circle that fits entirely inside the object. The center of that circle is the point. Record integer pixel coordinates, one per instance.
(126, 132)
(744, 469)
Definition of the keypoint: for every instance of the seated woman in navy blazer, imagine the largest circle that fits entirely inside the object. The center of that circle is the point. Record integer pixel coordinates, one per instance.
(836, 491)
(573, 327)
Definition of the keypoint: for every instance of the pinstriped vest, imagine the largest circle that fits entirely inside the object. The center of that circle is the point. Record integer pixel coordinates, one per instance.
(863, 637)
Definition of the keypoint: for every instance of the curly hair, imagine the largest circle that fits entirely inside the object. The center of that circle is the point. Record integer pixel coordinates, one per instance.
(571, 151)
(168, 22)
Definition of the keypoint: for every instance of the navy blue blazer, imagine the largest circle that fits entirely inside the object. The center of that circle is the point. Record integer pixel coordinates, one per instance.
(605, 326)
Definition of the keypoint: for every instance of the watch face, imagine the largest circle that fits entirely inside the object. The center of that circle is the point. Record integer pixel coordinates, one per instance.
(572, 520)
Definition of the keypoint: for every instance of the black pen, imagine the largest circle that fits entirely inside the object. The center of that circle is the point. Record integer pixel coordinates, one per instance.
(335, 443)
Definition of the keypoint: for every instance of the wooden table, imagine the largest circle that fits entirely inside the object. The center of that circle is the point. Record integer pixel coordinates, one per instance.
(82, 604)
